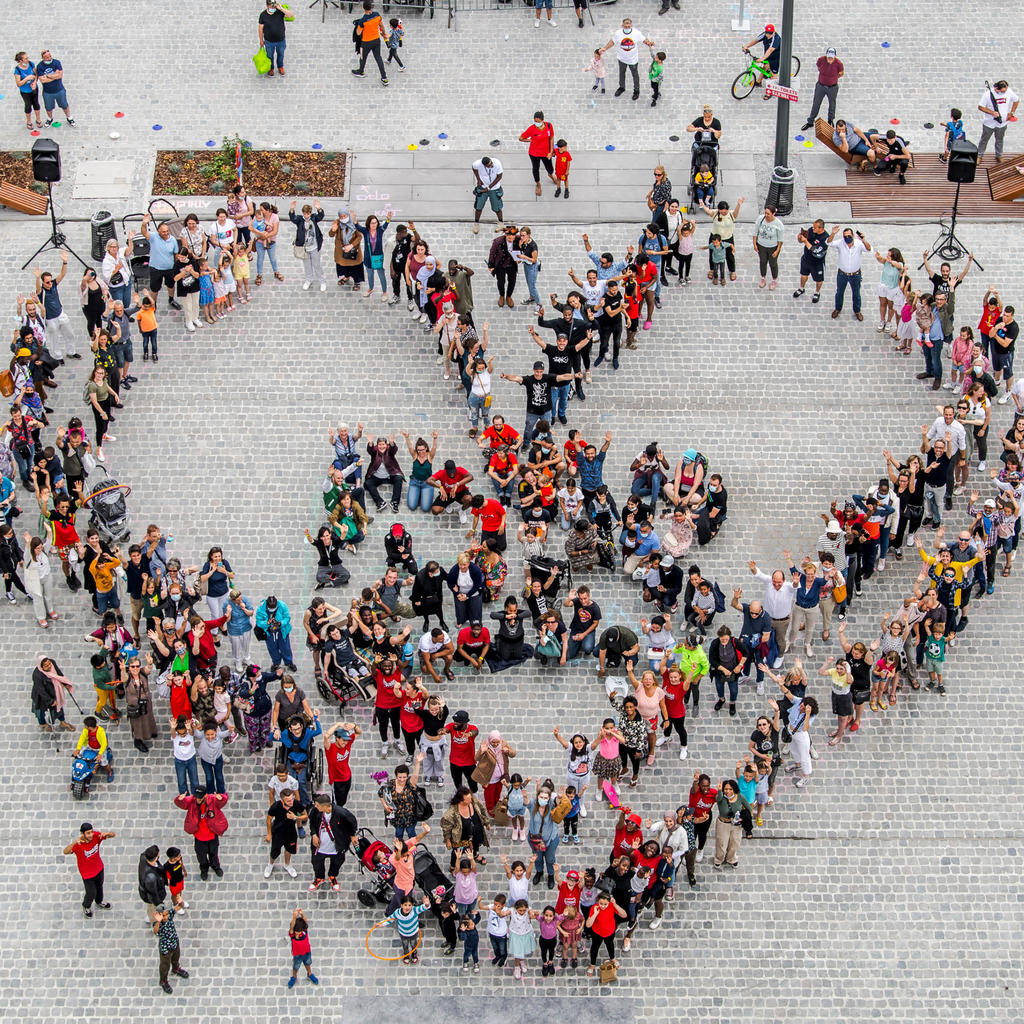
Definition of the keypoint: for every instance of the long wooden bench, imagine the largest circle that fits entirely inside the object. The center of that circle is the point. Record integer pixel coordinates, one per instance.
(1005, 181)
(823, 132)
(14, 197)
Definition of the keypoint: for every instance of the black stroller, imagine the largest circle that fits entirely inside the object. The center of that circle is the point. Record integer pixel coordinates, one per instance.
(108, 507)
(373, 862)
(702, 154)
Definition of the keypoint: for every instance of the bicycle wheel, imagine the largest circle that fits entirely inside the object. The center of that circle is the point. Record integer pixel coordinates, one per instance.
(796, 66)
(743, 86)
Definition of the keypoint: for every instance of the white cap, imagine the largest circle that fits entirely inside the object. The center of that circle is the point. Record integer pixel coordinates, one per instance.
(833, 526)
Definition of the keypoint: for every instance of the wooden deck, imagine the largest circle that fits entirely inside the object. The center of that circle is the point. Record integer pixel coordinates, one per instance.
(927, 194)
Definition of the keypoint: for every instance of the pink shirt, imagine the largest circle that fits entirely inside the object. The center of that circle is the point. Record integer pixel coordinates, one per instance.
(649, 707)
(609, 748)
(405, 874)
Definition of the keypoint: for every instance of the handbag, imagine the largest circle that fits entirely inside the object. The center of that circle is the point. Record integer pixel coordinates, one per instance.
(259, 632)
(262, 61)
(537, 844)
(500, 813)
(839, 593)
(376, 261)
(422, 807)
(609, 972)
(299, 252)
(487, 400)
(88, 462)
(6, 383)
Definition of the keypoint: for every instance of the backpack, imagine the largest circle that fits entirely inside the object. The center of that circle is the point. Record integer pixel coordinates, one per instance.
(85, 392)
(6, 383)
(719, 597)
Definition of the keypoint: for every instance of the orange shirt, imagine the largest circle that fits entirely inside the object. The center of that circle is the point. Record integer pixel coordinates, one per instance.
(370, 27)
(146, 318)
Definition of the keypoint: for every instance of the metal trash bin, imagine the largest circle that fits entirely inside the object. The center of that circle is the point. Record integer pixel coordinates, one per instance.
(102, 227)
(780, 191)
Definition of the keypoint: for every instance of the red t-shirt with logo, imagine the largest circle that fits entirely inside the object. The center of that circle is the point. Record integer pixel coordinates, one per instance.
(490, 515)
(562, 161)
(412, 722)
(386, 698)
(703, 802)
(463, 751)
(453, 481)
(338, 767)
(626, 844)
(540, 138)
(674, 697)
(568, 896)
(90, 864)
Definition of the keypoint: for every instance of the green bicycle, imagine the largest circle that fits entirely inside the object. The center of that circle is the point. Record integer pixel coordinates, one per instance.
(758, 71)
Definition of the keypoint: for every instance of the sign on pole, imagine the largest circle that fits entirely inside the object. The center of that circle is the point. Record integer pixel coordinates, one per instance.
(782, 91)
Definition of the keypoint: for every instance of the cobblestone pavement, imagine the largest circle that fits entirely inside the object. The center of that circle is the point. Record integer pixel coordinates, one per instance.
(887, 889)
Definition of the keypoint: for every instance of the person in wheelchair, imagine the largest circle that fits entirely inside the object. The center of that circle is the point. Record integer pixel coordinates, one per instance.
(297, 741)
(342, 664)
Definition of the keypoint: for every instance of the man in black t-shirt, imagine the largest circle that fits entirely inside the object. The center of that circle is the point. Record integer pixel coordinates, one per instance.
(271, 33)
(585, 619)
(944, 281)
(812, 257)
(538, 395)
(405, 238)
(579, 334)
(283, 820)
(1004, 338)
(608, 316)
(563, 357)
(936, 473)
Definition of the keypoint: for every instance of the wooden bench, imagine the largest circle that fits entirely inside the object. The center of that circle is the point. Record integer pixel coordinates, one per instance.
(823, 132)
(14, 197)
(1005, 181)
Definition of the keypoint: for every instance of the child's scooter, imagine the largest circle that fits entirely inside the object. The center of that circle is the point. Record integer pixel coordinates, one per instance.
(84, 768)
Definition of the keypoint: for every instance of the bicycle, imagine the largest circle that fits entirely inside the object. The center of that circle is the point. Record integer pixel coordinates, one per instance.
(758, 72)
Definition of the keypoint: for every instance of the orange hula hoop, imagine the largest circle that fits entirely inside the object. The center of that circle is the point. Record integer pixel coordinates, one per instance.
(401, 956)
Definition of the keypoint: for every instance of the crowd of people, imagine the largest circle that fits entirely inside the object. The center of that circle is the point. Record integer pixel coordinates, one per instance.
(393, 643)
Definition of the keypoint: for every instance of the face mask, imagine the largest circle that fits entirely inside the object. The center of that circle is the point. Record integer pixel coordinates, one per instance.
(539, 124)
(542, 801)
(434, 575)
(175, 597)
(848, 239)
(713, 489)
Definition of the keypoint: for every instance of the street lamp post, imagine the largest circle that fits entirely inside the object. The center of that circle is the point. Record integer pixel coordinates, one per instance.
(785, 69)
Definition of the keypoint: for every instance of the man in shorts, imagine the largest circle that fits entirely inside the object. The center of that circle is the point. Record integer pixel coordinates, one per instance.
(50, 73)
(812, 258)
(284, 817)
(488, 173)
(163, 250)
(850, 139)
(452, 489)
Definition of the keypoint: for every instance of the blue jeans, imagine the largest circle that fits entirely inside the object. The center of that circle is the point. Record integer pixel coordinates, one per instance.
(532, 419)
(107, 600)
(188, 775)
(933, 505)
(586, 645)
(301, 773)
(933, 359)
(883, 541)
(266, 250)
(214, 774)
(504, 492)
(842, 280)
(25, 465)
(379, 271)
(280, 649)
(499, 945)
(420, 495)
(734, 686)
(656, 260)
(546, 860)
(641, 488)
(275, 51)
(530, 270)
(55, 99)
(478, 409)
(559, 399)
(405, 831)
(122, 293)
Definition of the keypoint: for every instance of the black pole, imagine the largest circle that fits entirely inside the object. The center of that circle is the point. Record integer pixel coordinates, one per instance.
(782, 106)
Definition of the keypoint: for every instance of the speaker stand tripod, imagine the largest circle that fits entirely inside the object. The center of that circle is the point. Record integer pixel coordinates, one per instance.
(57, 240)
(947, 245)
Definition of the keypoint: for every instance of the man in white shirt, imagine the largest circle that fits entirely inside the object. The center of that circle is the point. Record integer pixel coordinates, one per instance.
(997, 106)
(627, 49)
(779, 595)
(949, 429)
(488, 172)
(850, 248)
(437, 646)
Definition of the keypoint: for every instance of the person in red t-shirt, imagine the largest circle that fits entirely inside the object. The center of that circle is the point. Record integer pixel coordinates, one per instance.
(562, 160)
(541, 136)
(568, 890)
(602, 922)
(462, 755)
(702, 800)
(338, 742)
(472, 644)
(647, 281)
(490, 514)
(628, 835)
(497, 434)
(672, 682)
(86, 849)
(388, 703)
(451, 484)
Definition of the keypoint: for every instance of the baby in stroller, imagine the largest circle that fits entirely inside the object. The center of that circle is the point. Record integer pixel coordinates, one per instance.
(704, 184)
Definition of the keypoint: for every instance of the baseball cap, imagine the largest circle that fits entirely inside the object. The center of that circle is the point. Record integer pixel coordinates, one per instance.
(199, 792)
(450, 467)
(833, 526)
(573, 876)
(460, 717)
(22, 352)
(636, 819)
(476, 622)
(830, 52)
(538, 365)
(86, 826)
(770, 29)
(990, 503)
(667, 561)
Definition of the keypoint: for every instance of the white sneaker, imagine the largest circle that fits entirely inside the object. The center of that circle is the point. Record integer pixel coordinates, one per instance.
(410, 305)
(760, 688)
(683, 754)
(553, 24)
(424, 319)
(947, 386)
(800, 783)
(100, 455)
(662, 740)
(199, 324)
(583, 811)
(323, 286)
(291, 871)
(814, 753)
(383, 296)
(384, 749)
(109, 437)
(191, 328)
(881, 564)
(655, 924)
(476, 228)
(305, 285)
(881, 325)
(268, 870)
(700, 856)
(463, 518)
(536, 22)
(1004, 399)
(981, 466)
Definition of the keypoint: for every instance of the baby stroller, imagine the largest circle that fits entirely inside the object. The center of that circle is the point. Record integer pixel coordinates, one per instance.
(373, 862)
(432, 880)
(109, 515)
(703, 154)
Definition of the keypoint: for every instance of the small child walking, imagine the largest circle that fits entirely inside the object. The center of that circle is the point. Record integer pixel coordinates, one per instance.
(298, 932)
(207, 298)
(935, 656)
(240, 269)
(497, 929)
(562, 160)
(466, 892)
(395, 37)
(146, 319)
(470, 941)
(176, 874)
(655, 74)
(105, 687)
(718, 250)
(596, 66)
(954, 129)
(169, 947)
(686, 232)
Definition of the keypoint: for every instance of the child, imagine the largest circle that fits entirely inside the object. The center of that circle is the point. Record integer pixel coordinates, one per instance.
(176, 874)
(655, 75)
(549, 922)
(762, 793)
(935, 656)
(184, 745)
(954, 129)
(170, 948)
(395, 37)
(518, 879)
(517, 807)
(570, 823)
(906, 329)
(608, 763)
(960, 356)
(686, 232)
(588, 895)
(146, 319)
(704, 180)
(638, 884)
(207, 298)
(298, 932)
(497, 929)
(466, 892)
(449, 925)
(280, 781)
(521, 942)
(562, 160)
(106, 688)
(210, 748)
(577, 768)
(746, 779)
(470, 941)
(240, 269)
(596, 65)
(924, 317)
(718, 254)
(220, 292)
(222, 709)
(570, 928)
(407, 919)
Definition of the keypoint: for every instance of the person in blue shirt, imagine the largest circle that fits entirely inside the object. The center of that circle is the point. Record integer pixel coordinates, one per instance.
(297, 741)
(807, 584)
(590, 469)
(606, 264)
(25, 78)
(954, 130)
(275, 621)
(655, 244)
(50, 73)
(772, 42)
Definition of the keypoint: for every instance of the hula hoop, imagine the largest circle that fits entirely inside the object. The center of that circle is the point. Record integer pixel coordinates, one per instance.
(401, 956)
(105, 490)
